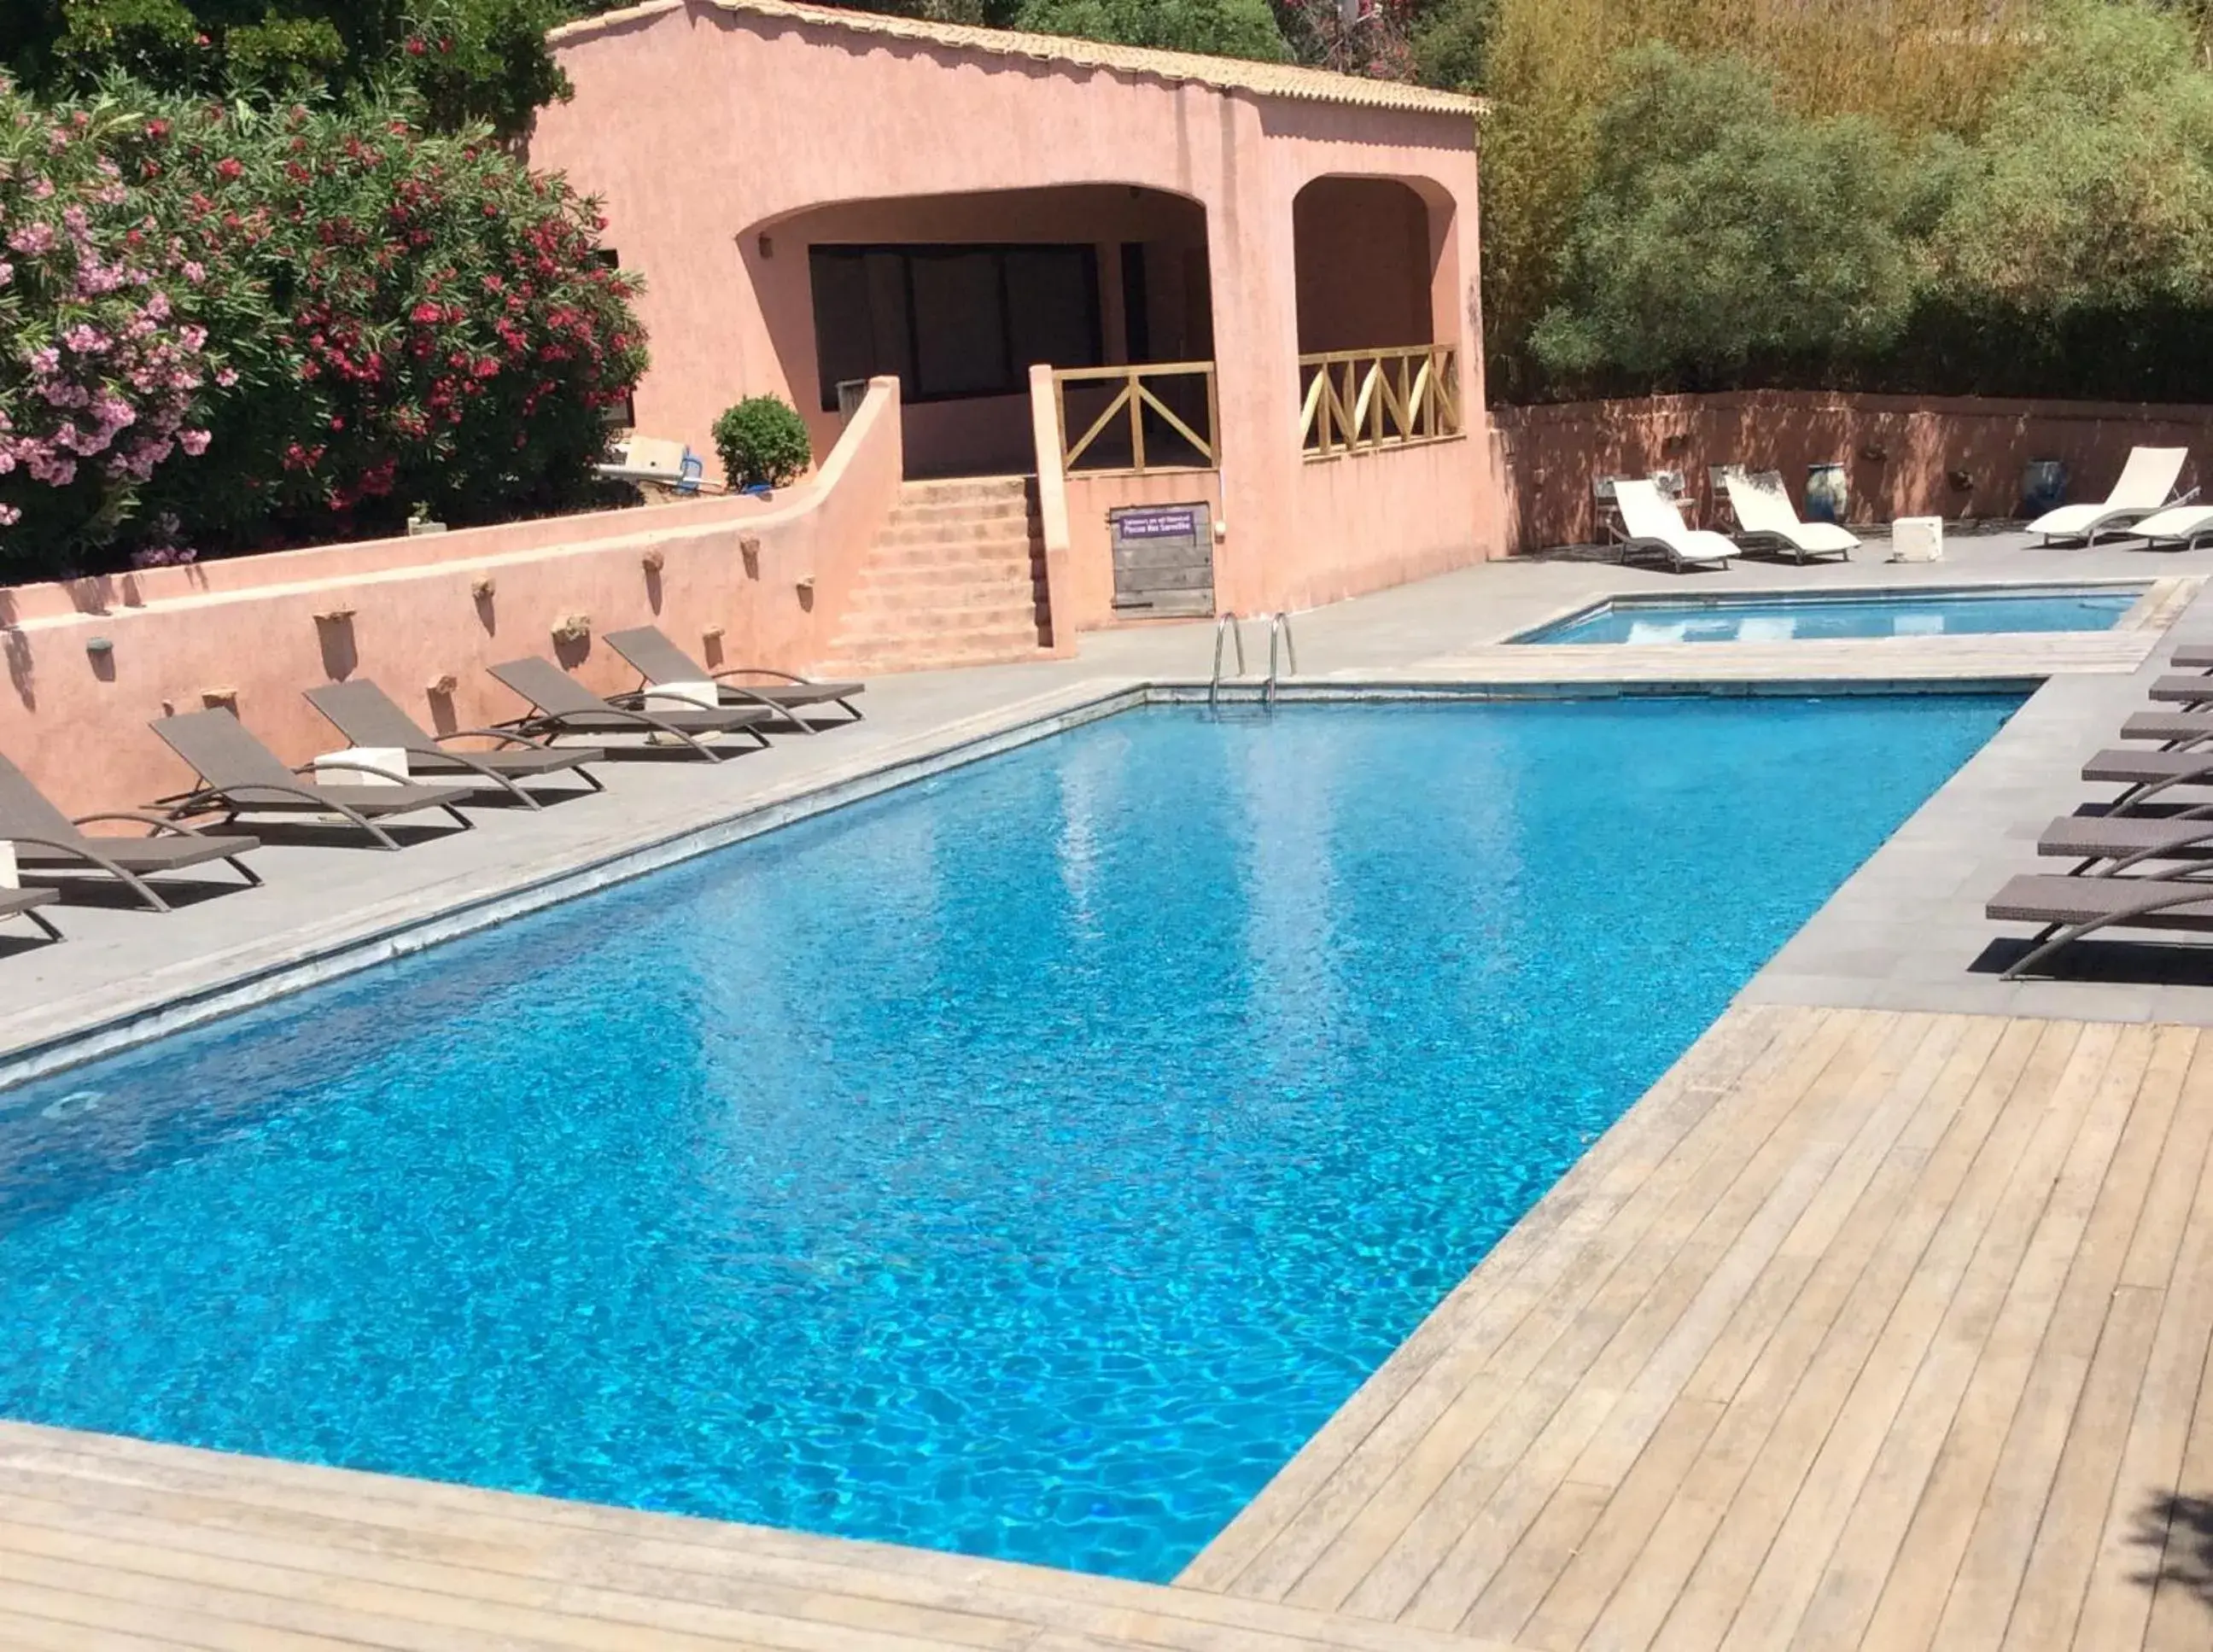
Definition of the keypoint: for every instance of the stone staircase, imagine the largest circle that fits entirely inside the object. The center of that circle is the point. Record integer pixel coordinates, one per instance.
(956, 578)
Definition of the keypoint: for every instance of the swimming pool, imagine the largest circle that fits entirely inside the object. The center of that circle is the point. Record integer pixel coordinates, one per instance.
(1757, 617)
(1023, 1163)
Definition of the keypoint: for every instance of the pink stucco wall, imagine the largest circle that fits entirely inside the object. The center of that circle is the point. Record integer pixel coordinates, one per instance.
(250, 626)
(701, 130)
(1956, 457)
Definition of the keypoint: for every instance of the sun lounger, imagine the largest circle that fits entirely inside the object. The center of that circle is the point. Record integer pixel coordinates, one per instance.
(2179, 526)
(1766, 518)
(22, 903)
(2175, 727)
(2194, 656)
(2071, 908)
(2183, 690)
(1651, 526)
(367, 716)
(2127, 840)
(47, 840)
(241, 775)
(2145, 484)
(562, 705)
(659, 661)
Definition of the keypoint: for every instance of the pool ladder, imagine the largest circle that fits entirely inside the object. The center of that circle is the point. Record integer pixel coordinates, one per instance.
(1283, 648)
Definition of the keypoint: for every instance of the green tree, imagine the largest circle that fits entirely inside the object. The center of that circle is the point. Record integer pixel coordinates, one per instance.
(1229, 28)
(2092, 188)
(1719, 231)
(467, 60)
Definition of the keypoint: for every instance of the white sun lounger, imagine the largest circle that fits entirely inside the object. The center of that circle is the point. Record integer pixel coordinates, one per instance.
(2146, 482)
(1651, 526)
(2179, 527)
(1766, 517)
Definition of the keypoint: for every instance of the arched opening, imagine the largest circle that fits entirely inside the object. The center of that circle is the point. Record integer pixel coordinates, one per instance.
(957, 297)
(1377, 283)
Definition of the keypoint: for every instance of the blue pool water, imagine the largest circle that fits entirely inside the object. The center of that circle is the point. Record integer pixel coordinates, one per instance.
(1947, 613)
(1023, 1163)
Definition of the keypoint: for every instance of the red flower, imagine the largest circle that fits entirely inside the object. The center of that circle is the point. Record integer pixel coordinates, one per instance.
(227, 169)
(424, 314)
(415, 46)
(157, 129)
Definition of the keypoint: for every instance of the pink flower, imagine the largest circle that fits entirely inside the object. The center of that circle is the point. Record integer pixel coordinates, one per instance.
(157, 308)
(194, 442)
(86, 340)
(193, 337)
(10, 515)
(33, 239)
(7, 272)
(195, 273)
(45, 360)
(226, 376)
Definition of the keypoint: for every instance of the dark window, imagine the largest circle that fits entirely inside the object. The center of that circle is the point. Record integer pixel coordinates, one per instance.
(952, 321)
(1137, 305)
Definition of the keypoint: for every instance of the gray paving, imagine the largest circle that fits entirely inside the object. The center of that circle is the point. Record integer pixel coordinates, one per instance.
(1906, 929)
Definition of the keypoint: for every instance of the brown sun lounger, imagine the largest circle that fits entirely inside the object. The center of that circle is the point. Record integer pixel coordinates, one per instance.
(47, 840)
(2184, 690)
(2173, 727)
(2071, 908)
(23, 903)
(2129, 839)
(562, 705)
(2194, 656)
(367, 716)
(659, 661)
(243, 775)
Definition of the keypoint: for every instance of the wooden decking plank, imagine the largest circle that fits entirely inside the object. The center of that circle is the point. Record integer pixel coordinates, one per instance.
(2081, 1499)
(1546, 1545)
(1895, 1210)
(1874, 1564)
(1821, 1441)
(1615, 1172)
(59, 1593)
(1668, 1335)
(2148, 1586)
(232, 1493)
(1993, 1565)
(1331, 1547)
(22, 1632)
(204, 1526)
(1585, 1576)
(1792, 1386)
(420, 1607)
(1382, 1565)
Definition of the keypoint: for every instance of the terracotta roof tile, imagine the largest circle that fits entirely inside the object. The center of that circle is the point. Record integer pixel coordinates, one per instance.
(1228, 73)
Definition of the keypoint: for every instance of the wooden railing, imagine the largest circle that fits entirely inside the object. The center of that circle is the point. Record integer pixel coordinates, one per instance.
(1171, 400)
(1358, 400)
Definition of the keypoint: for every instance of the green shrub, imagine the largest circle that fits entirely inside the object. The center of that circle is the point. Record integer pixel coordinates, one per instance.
(762, 439)
(1229, 28)
(223, 329)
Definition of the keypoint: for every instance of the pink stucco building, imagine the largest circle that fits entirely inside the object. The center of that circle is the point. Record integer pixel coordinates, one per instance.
(1254, 285)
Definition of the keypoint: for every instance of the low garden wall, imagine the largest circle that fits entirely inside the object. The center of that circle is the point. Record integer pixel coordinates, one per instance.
(1954, 457)
(735, 582)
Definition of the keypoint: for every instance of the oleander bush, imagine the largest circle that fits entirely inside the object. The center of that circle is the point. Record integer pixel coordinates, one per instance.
(240, 328)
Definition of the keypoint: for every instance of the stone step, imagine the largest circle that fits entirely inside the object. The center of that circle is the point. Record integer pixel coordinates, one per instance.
(908, 512)
(957, 533)
(963, 489)
(964, 612)
(977, 553)
(894, 633)
(916, 580)
(888, 663)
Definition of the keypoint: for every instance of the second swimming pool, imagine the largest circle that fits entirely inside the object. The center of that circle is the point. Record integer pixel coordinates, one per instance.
(1024, 1163)
(1753, 617)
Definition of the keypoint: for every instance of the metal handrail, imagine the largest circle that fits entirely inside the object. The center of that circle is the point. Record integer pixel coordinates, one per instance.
(1279, 627)
(1228, 622)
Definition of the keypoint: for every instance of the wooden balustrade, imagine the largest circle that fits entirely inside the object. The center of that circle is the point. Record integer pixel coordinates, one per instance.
(1178, 395)
(1356, 400)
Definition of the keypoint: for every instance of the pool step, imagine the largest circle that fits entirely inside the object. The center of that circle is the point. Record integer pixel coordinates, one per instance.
(956, 578)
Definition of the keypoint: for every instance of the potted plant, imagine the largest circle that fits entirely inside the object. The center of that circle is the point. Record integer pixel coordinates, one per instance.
(763, 444)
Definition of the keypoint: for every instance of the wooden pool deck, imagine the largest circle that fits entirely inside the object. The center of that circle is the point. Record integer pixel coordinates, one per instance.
(1860, 1330)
